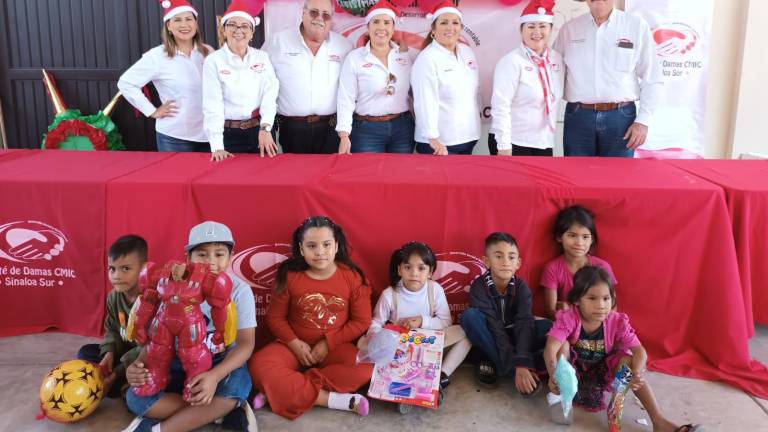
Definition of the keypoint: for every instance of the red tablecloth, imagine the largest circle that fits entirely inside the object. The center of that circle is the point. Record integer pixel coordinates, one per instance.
(666, 233)
(746, 190)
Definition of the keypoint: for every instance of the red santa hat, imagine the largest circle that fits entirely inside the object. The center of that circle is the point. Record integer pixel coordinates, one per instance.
(248, 9)
(443, 8)
(538, 11)
(171, 8)
(382, 7)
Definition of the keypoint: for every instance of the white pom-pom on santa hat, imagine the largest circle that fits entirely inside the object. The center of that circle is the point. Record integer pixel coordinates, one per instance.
(248, 9)
(538, 11)
(383, 7)
(165, 4)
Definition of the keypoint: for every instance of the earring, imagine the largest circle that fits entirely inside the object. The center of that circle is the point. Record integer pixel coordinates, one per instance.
(432, 35)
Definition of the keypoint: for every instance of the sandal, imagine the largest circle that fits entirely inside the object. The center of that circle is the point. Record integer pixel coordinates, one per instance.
(485, 374)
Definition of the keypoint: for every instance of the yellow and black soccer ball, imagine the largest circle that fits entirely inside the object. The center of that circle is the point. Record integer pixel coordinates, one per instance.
(71, 391)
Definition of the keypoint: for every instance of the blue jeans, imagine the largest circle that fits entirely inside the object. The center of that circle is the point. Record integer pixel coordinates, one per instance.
(92, 353)
(597, 133)
(458, 149)
(241, 140)
(236, 385)
(167, 143)
(394, 136)
(473, 321)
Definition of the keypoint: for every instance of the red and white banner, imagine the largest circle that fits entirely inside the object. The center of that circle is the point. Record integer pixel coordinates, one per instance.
(491, 28)
(682, 31)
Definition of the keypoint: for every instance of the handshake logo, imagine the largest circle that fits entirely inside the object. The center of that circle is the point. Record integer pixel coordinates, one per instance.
(258, 265)
(25, 241)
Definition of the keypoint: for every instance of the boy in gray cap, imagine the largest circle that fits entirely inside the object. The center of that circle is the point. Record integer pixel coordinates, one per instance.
(223, 390)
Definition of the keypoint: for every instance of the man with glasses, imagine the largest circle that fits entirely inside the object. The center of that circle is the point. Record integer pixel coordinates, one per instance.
(307, 62)
(610, 60)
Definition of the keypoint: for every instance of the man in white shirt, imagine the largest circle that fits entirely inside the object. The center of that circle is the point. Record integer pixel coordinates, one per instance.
(610, 60)
(307, 61)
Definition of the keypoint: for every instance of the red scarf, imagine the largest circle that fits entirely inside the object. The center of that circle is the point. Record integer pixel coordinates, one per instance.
(544, 67)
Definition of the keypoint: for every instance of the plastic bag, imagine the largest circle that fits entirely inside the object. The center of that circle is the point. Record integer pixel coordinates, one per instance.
(381, 347)
(565, 375)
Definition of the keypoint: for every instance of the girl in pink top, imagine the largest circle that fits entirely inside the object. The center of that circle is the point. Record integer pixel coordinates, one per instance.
(599, 342)
(576, 233)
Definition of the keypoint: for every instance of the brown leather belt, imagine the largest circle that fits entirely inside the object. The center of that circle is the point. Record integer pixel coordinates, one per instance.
(309, 118)
(384, 118)
(603, 106)
(243, 124)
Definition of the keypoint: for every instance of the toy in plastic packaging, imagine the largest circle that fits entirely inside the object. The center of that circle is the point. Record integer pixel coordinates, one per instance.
(381, 347)
(619, 387)
(565, 376)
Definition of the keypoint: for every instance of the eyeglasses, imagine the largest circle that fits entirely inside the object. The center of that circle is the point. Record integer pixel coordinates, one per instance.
(232, 27)
(315, 13)
(390, 88)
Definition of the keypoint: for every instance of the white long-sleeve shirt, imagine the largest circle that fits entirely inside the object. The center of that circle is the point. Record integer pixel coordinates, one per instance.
(309, 83)
(234, 87)
(615, 62)
(179, 79)
(517, 103)
(410, 304)
(445, 95)
(363, 83)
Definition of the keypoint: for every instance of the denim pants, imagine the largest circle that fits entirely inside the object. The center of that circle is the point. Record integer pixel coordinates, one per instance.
(473, 321)
(394, 136)
(236, 385)
(167, 143)
(458, 149)
(92, 353)
(597, 133)
(238, 140)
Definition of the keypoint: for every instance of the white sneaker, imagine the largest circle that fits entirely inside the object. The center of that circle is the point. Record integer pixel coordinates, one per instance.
(252, 425)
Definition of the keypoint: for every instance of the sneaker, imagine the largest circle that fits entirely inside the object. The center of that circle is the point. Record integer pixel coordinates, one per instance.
(485, 374)
(141, 424)
(240, 419)
(445, 381)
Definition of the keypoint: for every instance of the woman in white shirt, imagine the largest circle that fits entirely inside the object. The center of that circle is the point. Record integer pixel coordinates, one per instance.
(239, 90)
(527, 88)
(175, 69)
(445, 88)
(373, 101)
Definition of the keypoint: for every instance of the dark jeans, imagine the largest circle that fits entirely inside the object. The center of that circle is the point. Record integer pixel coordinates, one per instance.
(517, 150)
(167, 143)
(308, 138)
(394, 136)
(597, 133)
(238, 140)
(458, 149)
(473, 321)
(90, 353)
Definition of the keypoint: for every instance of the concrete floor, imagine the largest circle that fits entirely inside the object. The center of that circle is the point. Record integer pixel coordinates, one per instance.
(25, 360)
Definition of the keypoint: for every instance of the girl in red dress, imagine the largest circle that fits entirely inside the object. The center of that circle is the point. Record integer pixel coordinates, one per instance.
(321, 304)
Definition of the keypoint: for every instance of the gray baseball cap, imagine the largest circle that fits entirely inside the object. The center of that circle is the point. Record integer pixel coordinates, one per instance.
(209, 232)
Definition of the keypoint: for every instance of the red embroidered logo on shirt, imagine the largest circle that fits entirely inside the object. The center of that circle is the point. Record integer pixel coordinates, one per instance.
(224, 72)
(402, 61)
(334, 58)
(367, 65)
(257, 66)
(472, 64)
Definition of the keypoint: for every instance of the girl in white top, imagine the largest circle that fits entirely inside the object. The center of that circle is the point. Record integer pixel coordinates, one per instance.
(527, 88)
(445, 86)
(239, 90)
(175, 69)
(414, 300)
(373, 90)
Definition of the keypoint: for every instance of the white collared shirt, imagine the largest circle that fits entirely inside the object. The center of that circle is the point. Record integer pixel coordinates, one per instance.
(178, 79)
(234, 87)
(309, 82)
(615, 62)
(445, 95)
(363, 83)
(517, 103)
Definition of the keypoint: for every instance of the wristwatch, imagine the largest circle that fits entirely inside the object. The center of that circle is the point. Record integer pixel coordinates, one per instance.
(266, 127)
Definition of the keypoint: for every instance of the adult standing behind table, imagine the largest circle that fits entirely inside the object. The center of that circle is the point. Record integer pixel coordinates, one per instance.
(175, 68)
(610, 63)
(308, 61)
(445, 88)
(373, 100)
(527, 87)
(239, 89)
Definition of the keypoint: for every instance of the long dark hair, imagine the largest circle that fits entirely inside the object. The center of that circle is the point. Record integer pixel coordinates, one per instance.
(576, 214)
(297, 263)
(403, 254)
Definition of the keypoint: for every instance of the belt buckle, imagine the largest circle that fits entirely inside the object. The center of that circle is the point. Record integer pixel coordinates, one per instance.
(313, 118)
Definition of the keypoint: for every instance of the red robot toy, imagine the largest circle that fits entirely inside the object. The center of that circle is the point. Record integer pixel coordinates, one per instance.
(170, 299)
